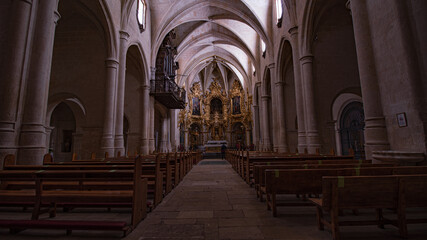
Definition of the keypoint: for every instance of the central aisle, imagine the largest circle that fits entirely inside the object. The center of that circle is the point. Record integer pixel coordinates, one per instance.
(213, 202)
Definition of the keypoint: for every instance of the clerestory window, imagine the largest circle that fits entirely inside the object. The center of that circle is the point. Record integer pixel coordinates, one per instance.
(141, 9)
(263, 48)
(279, 13)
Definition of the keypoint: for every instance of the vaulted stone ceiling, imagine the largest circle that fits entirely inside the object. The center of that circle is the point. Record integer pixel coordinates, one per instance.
(213, 36)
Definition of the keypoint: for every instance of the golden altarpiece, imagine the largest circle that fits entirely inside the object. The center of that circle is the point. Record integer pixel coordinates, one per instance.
(216, 115)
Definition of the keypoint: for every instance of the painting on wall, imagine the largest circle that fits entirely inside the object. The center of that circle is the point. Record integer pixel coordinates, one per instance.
(236, 105)
(196, 106)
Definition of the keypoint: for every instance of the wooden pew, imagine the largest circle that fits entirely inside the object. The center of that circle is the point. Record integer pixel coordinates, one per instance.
(245, 165)
(371, 192)
(151, 171)
(309, 181)
(259, 177)
(248, 169)
(87, 194)
(151, 166)
(259, 167)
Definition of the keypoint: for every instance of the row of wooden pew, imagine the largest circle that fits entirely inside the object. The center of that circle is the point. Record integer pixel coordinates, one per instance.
(137, 183)
(335, 183)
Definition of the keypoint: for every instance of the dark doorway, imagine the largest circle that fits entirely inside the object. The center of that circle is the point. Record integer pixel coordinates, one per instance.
(352, 125)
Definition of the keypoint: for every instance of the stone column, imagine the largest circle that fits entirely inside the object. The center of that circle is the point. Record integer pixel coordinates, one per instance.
(164, 136)
(107, 143)
(33, 132)
(282, 143)
(338, 138)
(169, 134)
(228, 135)
(172, 127)
(152, 143)
(118, 140)
(312, 134)
(302, 143)
(248, 138)
(145, 119)
(375, 127)
(256, 137)
(265, 123)
(186, 140)
(12, 74)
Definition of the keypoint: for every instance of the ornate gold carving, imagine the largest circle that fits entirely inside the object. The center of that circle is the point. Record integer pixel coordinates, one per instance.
(216, 124)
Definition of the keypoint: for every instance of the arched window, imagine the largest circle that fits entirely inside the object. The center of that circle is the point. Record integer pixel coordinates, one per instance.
(141, 9)
(279, 12)
(263, 48)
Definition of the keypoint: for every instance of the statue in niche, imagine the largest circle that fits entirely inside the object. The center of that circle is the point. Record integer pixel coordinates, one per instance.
(236, 105)
(196, 106)
(216, 106)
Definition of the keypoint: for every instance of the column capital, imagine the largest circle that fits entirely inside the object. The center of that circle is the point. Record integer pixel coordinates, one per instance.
(293, 30)
(27, 1)
(111, 63)
(124, 35)
(143, 88)
(57, 17)
(280, 83)
(307, 59)
(153, 72)
(348, 5)
(265, 97)
(271, 65)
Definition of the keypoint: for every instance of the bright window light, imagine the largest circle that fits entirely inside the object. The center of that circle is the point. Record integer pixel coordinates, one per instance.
(279, 10)
(141, 9)
(263, 47)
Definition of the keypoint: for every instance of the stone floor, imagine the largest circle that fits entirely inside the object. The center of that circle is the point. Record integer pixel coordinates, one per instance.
(213, 202)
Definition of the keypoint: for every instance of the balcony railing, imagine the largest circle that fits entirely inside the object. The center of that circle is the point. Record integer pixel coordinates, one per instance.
(168, 93)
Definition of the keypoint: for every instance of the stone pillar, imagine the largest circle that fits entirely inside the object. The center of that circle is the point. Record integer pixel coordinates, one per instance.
(186, 140)
(265, 123)
(338, 138)
(375, 127)
(302, 143)
(282, 145)
(229, 136)
(164, 136)
(173, 128)
(152, 143)
(248, 138)
(118, 140)
(33, 132)
(12, 74)
(256, 122)
(169, 134)
(145, 119)
(107, 142)
(312, 134)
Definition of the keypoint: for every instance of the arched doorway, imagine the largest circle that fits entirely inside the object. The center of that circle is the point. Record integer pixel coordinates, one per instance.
(63, 123)
(352, 125)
